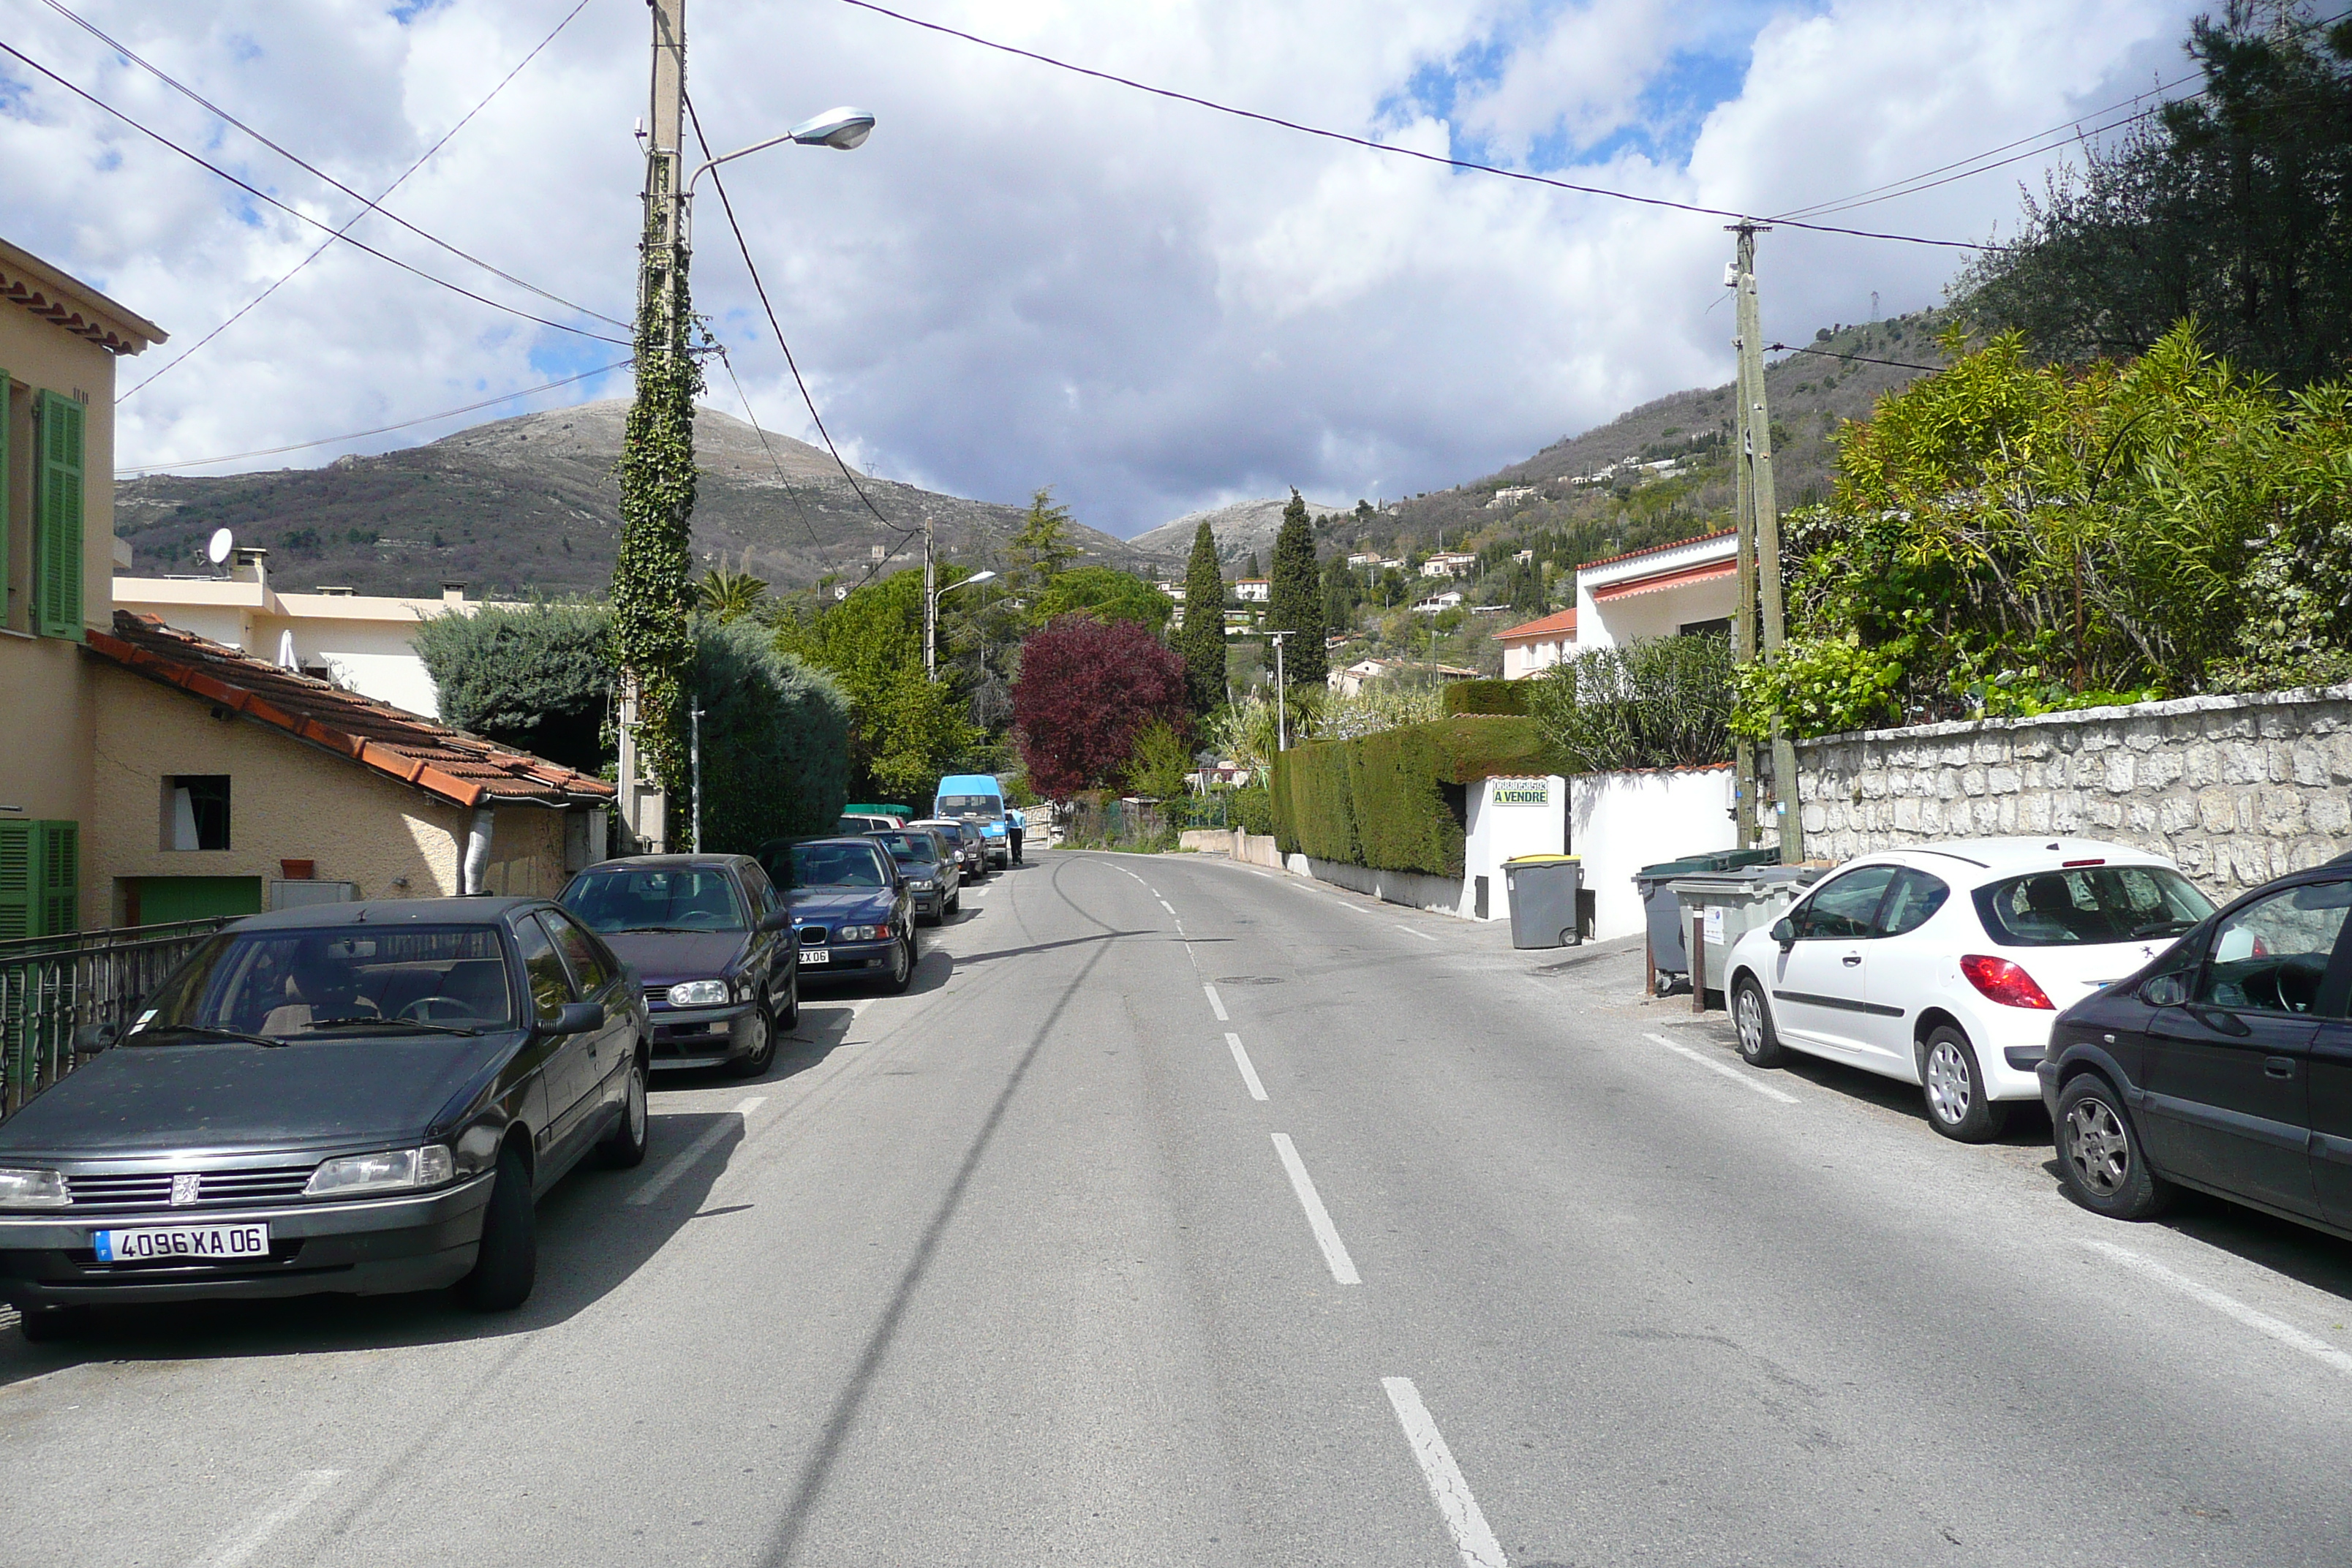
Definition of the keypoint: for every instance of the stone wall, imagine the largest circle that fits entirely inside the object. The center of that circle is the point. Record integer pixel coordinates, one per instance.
(2237, 789)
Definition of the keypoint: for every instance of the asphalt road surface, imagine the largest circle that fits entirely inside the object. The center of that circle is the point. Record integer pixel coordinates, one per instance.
(1186, 1214)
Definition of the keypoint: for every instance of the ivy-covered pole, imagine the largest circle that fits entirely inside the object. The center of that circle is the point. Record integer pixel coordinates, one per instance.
(652, 643)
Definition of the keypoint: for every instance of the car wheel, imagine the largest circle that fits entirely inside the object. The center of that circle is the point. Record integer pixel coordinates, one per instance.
(1760, 1045)
(902, 962)
(762, 1054)
(508, 1260)
(790, 1018)
(2099, 1158)
(49, 1325)
(1954, 1087)
(623, 1148)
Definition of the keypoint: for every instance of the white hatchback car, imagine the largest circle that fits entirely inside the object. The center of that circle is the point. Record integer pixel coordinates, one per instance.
(1882, 967)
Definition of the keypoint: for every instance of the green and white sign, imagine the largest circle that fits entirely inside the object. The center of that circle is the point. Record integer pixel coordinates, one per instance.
(1522, 792)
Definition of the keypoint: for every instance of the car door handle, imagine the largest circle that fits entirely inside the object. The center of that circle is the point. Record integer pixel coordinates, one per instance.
(2278, 1066)
(1851, 961)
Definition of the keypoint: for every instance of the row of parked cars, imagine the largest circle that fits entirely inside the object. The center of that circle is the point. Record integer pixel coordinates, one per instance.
(2173, 1044)
(371, 1097)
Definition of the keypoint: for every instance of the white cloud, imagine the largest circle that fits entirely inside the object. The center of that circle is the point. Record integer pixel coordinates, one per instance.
(1028, 278)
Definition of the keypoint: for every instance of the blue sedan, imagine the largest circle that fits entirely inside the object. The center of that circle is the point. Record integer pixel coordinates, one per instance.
(851, 906)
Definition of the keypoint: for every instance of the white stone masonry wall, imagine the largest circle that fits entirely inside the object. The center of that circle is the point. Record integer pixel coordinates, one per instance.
(2235, 789)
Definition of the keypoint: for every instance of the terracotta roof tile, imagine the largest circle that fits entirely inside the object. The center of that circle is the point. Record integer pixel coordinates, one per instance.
(463, 769)
(1558, 621)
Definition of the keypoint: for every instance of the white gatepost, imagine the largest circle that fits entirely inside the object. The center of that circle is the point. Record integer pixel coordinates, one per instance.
(1509, 817)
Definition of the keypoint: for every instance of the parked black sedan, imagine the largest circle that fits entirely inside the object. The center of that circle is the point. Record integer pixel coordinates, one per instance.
(347, 1098)
(933, 869)
(711, 943)
(2225, 1065)
(852, 910)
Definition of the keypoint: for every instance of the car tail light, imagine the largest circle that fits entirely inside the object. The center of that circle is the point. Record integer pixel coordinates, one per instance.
(2004, 982)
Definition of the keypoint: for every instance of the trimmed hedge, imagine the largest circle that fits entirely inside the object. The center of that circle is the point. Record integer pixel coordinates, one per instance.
(1396, 801)
(1486, 696)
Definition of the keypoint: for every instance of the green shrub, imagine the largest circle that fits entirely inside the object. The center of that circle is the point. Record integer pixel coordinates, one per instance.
(1395, 800)
(1486, 696)
(1251, 810)
(1661, 702)
(1820, 686)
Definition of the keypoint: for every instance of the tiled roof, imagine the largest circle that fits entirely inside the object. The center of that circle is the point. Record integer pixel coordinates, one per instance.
(448, 764)
(1658, 548)
(1556, 622)
(54, 296)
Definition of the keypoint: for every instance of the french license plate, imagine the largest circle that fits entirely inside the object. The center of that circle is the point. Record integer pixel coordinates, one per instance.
(196, 1243)
(815, 955)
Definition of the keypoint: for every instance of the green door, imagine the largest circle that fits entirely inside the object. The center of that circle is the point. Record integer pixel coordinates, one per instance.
(161, 899)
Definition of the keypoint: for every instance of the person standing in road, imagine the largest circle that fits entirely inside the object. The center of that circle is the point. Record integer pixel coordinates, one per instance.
(1013, 823)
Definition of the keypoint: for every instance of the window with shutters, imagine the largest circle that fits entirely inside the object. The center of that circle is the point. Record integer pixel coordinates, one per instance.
(40, 878)
(59, 427)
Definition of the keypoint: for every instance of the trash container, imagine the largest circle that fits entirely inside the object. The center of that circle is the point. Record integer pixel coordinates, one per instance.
(1663, 915)
(1732, 904)
(1543, 890)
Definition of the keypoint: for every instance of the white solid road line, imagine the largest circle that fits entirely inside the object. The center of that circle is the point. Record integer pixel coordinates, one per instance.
(684, 1160)
(2287, 1334)
(1413, 932)
(1249, 1073)
(1166, 905)
(239, 1548)
(1215, 1006)
(1477, 1543)
(1733, 1073)
(1318, 1218)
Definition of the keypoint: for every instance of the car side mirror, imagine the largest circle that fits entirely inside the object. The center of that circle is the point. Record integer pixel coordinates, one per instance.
(575, 1018)
(777, 920)
(2165, 991)
(91, 1038)
(1784, 932)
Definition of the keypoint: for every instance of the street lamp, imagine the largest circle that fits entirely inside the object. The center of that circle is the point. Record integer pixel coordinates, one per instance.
(931, 597)
(841, 129)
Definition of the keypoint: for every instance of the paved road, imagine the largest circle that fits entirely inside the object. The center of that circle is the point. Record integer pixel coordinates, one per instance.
(1020, 1269)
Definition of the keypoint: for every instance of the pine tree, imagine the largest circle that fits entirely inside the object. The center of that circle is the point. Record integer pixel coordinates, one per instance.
(1202, 639)
(1294, 597)
(1042, 550)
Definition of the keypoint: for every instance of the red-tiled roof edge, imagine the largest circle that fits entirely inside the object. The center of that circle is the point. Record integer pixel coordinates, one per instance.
(1558, 621)
(1658, 548)
(556, 780)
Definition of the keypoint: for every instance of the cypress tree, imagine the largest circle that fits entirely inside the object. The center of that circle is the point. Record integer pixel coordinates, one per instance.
(1294, 597)
(1202, 640)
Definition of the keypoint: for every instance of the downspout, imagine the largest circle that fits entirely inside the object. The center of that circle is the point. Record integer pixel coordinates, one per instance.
(477, 863)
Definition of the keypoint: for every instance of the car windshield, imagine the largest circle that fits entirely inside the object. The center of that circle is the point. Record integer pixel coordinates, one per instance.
(919, 847)
(837, 866)
(288, 985)
(655, 897)
(972, 805)
(2090, 904)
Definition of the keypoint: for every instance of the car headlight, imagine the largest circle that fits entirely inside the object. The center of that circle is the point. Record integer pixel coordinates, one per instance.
(393, 1170)
(32, 1190)
(700, 994)
(863, 933)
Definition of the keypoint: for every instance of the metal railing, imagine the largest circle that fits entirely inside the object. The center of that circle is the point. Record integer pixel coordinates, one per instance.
(52, 986)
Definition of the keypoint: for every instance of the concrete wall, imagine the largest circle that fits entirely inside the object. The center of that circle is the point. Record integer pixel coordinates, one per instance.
(1509, 817)
(1620, 823)
(2235, 789)
(1412, 889)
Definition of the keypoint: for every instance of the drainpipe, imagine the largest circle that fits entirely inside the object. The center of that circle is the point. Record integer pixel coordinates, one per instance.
(477, 863)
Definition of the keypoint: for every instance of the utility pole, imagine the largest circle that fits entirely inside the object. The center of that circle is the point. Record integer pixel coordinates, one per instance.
(694, 718)
(661, 268)
(1281, 696)
(930, 606)
(1756, 461)
(1743, 624)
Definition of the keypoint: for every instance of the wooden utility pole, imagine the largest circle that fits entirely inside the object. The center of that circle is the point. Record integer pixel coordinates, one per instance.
(930, 604)
(1743, 623)
(1756, 463)
(661, 269)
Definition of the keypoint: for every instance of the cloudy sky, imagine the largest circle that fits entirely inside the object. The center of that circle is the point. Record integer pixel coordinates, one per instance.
(1028, 278)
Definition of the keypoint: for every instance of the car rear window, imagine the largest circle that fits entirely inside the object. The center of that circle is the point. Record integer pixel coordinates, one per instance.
(2090, 904)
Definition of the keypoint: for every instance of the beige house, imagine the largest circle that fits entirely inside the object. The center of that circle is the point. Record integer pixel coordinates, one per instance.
(1533, 647)
(225, 784)
(58, 340)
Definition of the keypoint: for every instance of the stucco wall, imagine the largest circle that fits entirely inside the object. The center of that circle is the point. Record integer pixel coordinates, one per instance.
(2236, 789)
(526, 852)
(1618, 822)
(287, 800)
(1507, 820)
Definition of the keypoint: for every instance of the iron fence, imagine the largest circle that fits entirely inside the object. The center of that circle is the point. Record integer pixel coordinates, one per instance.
(52, 986)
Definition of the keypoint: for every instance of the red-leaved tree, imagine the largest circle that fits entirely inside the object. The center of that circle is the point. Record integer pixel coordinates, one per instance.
(1086, 688)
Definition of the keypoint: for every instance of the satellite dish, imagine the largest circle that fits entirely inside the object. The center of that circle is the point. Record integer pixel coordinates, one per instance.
(222, 541)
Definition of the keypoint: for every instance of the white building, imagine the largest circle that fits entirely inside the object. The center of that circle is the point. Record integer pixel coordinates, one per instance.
(361, 643)
(1438, 603)
(1251, 590)
(1364, 558)
(1448, 563)
(1511, 495)
(1690, 586)
(1534, 646)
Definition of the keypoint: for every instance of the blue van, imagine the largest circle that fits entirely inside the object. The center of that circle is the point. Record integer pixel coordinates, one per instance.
(978, 799)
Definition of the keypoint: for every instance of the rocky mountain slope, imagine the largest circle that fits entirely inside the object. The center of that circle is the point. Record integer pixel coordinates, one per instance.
(1241, 529)
(529, 505)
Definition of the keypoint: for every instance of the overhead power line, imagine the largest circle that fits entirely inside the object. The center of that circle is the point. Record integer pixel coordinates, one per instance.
(379, 430)
(773, 461)
(1389, 147)
(1858, 359)
(312, 169)
(326, 245)
(294, 212)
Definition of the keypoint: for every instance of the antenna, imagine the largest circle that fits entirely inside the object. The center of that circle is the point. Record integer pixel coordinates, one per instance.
(216, 548)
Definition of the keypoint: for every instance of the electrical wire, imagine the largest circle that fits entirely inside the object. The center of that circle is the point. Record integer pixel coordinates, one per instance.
(326, 245)
(379, 430)
(309, 168)
(774, 461)
(1858, 359)
(1389, 147)
(297, 213)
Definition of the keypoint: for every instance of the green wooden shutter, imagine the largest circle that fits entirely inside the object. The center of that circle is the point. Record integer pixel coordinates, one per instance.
(58, 517)
(17, 905)
(60, 883)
